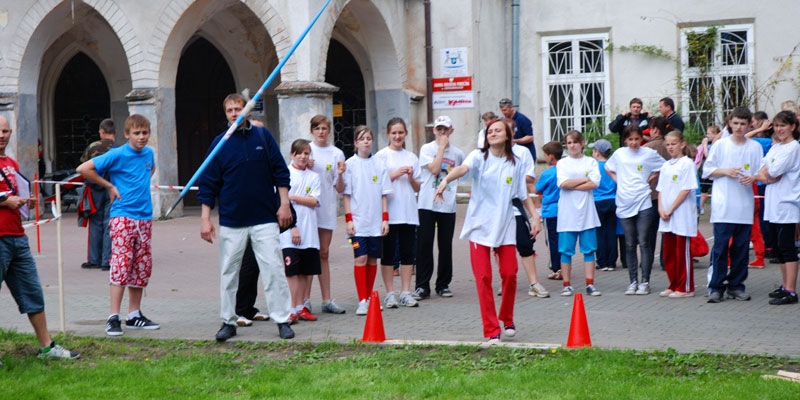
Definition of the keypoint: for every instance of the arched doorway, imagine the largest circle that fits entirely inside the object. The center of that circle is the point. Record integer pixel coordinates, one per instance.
(81, 101)
(343, 71)
(204, 79)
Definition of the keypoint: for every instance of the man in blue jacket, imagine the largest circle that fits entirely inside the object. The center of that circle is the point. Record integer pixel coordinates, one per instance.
(251, 181)
(523, 127)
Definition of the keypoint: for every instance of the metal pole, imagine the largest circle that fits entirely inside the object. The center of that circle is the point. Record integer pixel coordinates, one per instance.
(60, 260)
(247, 108)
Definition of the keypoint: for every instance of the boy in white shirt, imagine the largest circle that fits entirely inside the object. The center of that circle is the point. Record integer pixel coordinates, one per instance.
(732, 164)
(436, 159)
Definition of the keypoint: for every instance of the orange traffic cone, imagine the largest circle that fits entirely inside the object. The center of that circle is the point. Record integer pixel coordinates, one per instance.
(373, 329)
(578, 327)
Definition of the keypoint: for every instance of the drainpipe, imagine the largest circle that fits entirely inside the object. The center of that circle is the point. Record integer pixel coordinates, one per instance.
(428, 64)
(515, 52)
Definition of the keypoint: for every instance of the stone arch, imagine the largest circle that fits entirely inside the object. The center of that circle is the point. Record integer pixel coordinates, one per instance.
(183, 19)
(364, 28)
(47, 38)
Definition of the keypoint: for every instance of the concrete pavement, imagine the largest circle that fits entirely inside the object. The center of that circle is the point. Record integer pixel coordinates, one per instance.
(183, 297)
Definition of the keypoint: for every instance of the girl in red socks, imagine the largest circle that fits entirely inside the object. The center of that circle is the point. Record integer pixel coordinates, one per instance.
(366, 185)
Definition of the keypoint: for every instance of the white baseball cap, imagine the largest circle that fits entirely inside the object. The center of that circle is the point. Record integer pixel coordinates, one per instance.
(443, 120)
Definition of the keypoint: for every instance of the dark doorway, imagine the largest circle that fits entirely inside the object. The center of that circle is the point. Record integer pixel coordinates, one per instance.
(81, 102)
(203, 81)
(343, 71)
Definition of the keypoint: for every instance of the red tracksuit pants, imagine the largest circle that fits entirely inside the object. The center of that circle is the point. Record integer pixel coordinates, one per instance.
(482, 270)
(678, 262)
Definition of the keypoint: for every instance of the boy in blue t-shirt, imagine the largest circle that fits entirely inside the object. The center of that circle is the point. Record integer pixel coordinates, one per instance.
(129, 168)
(547, 187)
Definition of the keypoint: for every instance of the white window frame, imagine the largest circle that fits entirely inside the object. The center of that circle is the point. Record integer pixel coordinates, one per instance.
(575, 78)
(717, 72)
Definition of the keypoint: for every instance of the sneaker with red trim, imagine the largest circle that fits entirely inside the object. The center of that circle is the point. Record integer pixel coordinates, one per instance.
(292, 319)
(306, 315)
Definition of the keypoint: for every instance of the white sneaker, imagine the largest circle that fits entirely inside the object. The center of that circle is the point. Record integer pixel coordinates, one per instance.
(631, 289)
(391, 300)
(242, 321)
(363, 306)
(643, 289)
(567, 291)
(494, 340)
(407, 300)
(264, 317)
(510, 330)
(537, 290)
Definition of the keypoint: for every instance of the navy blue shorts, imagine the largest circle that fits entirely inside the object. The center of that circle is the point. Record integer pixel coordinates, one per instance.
(369, 246)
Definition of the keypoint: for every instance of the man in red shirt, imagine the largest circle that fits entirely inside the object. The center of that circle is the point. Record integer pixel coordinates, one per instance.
(17, 267)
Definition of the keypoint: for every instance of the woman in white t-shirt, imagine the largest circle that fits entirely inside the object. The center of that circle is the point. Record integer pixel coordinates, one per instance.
(577, 176)
(497, 178)
(633, 167)
(781, 172)
(327, 161)
(677, 209)
(404, 173)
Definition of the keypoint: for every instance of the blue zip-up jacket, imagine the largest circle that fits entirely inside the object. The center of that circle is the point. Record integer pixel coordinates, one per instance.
(244, 175)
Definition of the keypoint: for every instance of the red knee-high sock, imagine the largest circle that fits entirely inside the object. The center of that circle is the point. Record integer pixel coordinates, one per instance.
(372, 271)
(360, 274)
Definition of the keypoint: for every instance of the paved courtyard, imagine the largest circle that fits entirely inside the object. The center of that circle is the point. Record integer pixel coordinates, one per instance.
(183, 297)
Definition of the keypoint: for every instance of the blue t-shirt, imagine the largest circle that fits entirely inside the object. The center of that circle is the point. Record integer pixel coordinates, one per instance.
(547, 185)
(129, 170)
(607, 188)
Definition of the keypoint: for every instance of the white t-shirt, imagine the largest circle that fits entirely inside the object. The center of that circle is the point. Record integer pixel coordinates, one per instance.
(326, 161)
(490, 216)
(366, 181)
(632, 169)
(576, 208)
(782, 198)
(678, 175)
(525, 158)
(732, 202)
(304, 183)
(452, 158)
(403, 199)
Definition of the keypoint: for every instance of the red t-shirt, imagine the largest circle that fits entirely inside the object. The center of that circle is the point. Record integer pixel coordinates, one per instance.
(10, 222)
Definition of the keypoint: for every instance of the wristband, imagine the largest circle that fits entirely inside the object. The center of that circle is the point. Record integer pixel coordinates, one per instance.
(385, 216)
(348, 217)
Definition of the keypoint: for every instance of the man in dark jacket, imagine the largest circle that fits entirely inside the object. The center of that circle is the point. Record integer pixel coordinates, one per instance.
(633, 117)
(244, 177)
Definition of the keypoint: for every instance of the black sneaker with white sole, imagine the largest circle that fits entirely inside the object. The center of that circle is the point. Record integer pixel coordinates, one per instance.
(141, 322)
(114, 326)
(789, 298)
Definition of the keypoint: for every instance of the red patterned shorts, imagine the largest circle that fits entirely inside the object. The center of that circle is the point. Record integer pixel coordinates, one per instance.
(131, 262)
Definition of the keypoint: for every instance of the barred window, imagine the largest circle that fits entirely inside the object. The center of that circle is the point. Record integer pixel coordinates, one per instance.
(717, 69)
(576, 79)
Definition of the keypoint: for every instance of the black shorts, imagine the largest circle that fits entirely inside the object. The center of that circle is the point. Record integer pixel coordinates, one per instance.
(785, 250)
(524, 240)
(301, 262)
(705, 185)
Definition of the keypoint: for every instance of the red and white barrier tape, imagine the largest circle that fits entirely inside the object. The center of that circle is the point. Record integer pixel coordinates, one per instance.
(45, 221)
(165, 187)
